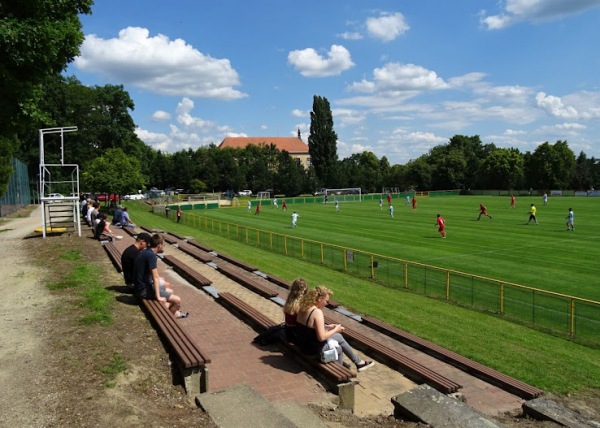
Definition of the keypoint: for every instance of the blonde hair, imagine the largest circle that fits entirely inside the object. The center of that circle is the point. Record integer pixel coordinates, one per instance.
(297, 291)
(311, 296)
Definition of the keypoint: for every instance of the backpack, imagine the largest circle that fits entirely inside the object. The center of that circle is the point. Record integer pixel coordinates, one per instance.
(271, 335)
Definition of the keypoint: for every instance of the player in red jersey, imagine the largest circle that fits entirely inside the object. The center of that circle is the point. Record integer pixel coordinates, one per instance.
(441, 224)
(483, 211)
(414, 202)
(513, 203)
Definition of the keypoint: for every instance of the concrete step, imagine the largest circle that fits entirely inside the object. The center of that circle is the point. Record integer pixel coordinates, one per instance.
(243, 406)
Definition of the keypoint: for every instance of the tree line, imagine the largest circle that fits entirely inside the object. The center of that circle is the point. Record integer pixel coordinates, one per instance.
(37, 41)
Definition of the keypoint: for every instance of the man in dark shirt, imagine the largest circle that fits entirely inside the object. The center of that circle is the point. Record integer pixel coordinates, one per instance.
(130, 254)
(147, 283)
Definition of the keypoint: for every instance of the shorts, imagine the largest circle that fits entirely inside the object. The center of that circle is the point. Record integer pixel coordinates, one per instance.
(149, 294)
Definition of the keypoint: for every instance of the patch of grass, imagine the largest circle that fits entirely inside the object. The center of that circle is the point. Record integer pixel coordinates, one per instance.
(71, 255)
(115, 366)
(4, 230)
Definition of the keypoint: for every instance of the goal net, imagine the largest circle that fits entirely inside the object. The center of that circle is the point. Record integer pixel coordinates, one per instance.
(261, 196)
(349, 194)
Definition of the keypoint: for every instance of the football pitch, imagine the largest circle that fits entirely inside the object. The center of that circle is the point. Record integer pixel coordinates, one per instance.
(505, 248)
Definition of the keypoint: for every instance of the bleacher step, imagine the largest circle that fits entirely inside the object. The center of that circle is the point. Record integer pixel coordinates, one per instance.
(427, 405)
(243, 406)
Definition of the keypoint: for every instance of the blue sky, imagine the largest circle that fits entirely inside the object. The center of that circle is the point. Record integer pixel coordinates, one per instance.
(401, 76)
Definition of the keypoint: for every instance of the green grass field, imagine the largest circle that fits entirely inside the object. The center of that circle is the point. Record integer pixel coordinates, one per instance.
(504, 248)
(548, 362)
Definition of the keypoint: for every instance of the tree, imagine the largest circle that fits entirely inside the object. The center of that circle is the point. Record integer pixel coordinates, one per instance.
(38, 38)
(322, 142)
(550, 166)
(114, 172)
(503, 169)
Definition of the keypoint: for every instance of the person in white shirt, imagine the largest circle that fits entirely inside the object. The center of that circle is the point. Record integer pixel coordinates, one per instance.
(294, 219)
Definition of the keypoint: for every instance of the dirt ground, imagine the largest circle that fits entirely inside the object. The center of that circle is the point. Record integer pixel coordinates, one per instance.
(55, 371)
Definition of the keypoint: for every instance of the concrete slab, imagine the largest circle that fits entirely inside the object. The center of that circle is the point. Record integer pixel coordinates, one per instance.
(427, 405)
(545, 409)
(241, 406)
(301, 416)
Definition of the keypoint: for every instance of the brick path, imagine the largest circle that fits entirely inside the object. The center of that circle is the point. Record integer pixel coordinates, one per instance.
(235, 360)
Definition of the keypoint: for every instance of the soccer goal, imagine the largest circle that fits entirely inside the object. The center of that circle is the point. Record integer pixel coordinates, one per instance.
(261, 196)
(349, 194)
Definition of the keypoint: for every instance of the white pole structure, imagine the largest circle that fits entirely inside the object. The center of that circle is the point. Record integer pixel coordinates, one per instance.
(43, 170)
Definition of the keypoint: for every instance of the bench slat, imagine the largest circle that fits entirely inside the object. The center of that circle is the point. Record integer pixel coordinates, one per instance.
(195, 252)
(237, 262)
(188, 272)
(114, 254)
(247, 282)
(432, 378)
(474, 368)
(199, 245)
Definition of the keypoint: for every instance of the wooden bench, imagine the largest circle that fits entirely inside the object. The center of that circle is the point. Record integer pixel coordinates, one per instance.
(494, 377)
(279, 281)
(391, 357)
(331, 373)
(149, 230)
(195, 252)
(114, 254)
(176, 235)
(237, 262)
(246, 281)
(170, 239)
(199, 245)
(129, 231)
(189, 273)
(191, 361)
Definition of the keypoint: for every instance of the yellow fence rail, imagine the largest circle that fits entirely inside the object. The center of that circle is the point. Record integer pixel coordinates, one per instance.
(552, 312)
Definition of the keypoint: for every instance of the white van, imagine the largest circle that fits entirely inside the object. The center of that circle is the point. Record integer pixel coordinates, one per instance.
(245, 193)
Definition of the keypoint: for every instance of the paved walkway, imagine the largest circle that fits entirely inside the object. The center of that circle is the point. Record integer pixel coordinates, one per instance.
(235, 360)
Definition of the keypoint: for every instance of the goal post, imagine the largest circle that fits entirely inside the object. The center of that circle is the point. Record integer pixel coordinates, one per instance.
(348, 194)
(261, 196)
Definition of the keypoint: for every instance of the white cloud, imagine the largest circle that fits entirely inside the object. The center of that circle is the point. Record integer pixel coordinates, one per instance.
(555, 107)
(300, 113)
(161, 116)
(535, 10)
(350, 35)
(387, 27)
(395, 77)
(160, 65)
(310, 64)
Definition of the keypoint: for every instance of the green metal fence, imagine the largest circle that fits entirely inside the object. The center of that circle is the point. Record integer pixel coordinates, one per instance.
(548, 311)
(17, 193)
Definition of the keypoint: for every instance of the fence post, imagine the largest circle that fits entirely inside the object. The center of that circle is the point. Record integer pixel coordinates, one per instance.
(345, 263)
(447, 285)
(322, 253)
(405, 275)
(285, 244)
(502, 298)
(572, 326)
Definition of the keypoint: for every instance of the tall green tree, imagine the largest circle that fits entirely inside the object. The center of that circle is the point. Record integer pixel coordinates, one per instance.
(322, 142)
(114, 172)
(550, 166)
(38, 38)
(503, 169)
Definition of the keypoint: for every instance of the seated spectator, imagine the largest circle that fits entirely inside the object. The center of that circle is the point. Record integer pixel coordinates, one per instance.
(142, 241)
(118, 216)
(148, 284)
(88, 214)
(103, 229)
(291, 308)
(126, 220)
(312, 334)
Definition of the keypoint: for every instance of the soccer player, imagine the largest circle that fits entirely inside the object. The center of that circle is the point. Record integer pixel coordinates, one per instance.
(249, 206)
(570, 221)
(391, 211)
(441, 224)
(389, 198)
(295, 219)
(545, 198)
(257, 208)
(414, 202)
(407, 203)
(513, 203)
(380, 203)
(483, 211)
(283, 206)
(275, 203)
(337, 206)
(532, 213)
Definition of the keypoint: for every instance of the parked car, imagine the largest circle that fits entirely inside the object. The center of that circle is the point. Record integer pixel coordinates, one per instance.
(134, 197)
(104, 197)
(245, 193)
(54, 195)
